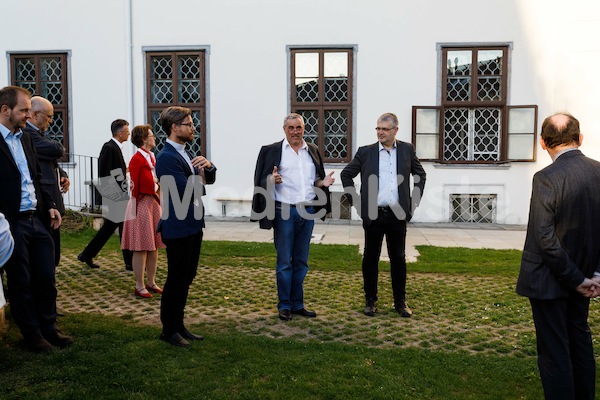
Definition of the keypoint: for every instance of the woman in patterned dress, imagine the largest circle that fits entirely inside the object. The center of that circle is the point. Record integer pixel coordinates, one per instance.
(143, 213)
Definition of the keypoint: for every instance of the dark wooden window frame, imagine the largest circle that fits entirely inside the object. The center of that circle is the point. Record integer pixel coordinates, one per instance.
(199, 107)
(321, 105)
(63, 108)
(474, 103)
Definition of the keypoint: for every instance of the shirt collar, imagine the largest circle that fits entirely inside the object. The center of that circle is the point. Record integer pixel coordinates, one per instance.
(287, 144)
(34, 127)
(178, 146)
(560, 153)
(118, 143)
(383, 148)
(5, 132)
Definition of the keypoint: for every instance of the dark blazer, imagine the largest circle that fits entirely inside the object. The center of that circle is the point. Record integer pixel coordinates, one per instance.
(169, 163)
(269, 157)
(10, 195)
(48, 153)
(366, 163)
(562, 243)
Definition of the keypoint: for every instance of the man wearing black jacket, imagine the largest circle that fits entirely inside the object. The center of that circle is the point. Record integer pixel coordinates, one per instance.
(110, 163)
(54, 179)
(31, 213)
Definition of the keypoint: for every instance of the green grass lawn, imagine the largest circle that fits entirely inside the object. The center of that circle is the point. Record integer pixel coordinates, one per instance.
(471, 336)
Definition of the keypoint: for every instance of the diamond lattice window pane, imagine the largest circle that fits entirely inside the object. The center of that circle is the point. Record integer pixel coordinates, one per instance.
(307, 76)
(307, 89)
(51, 69)
(31, 86)
(159, 134)
(25, 70)
(489, 89)
(336, 76)
(459, 89)
(161, 68)
(57, 127)
(189, 91)
(489, 62)
(456, 134)
(311, 126)
(336, 89)
(162, 91)
(196, 146)
(486, 138)
(188, 67)
(53, 92)
(336, 134)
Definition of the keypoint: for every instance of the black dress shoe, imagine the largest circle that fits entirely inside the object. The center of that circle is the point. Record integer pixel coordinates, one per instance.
(403, 310)
(285, 315)
(175, 339)
(37, 344)
(189, 335)
(305, 313)
(87, 261)
(58, 339)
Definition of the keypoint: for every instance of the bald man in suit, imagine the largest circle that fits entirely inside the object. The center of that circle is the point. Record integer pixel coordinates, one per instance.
(560, 267)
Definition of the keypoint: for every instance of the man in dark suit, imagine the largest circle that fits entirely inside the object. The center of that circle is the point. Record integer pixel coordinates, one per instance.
(561, 261)
(291, 190)
(386, 205)
(54, 179)
(111, 164)
(182, 178)
(31, 213)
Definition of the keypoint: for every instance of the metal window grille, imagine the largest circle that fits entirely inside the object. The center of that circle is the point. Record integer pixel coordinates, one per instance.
(473, 208)
(472, 134)
(176, 79)
(321, 92)
(46, 75)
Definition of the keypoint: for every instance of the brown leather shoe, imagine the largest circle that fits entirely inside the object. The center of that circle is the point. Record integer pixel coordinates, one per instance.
(403, 309)
(58, 339)
(285, 315)
(370, 308)
(37, 344)
(175, 340)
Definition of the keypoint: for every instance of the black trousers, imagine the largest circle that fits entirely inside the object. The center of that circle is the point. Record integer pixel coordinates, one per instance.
(31, 279)
(55, 233)
(394, 231)
(102, 236)
(564, 345)
(183, 255)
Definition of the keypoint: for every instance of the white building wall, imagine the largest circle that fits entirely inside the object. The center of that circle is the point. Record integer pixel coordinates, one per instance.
(553, 64)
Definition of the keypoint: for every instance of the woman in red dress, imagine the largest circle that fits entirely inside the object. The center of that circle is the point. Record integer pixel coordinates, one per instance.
(143, 213)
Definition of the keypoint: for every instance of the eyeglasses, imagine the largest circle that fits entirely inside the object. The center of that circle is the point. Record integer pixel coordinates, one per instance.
(189, 124)
(47, 116)
(383, 129)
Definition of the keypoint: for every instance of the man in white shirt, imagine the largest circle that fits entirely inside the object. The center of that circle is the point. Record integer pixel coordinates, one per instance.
(291, 190)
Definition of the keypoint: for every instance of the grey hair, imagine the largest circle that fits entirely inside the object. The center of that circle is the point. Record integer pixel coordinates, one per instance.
(390, 117)
(293, 116)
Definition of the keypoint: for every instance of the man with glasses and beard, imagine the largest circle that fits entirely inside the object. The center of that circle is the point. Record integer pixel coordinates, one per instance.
(181, 224)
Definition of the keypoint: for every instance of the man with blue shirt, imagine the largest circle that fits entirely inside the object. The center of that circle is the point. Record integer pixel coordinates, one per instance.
(31, 213)
(386, 205)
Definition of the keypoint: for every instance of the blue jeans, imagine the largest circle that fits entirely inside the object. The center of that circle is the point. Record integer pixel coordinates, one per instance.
(292, 243)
